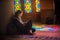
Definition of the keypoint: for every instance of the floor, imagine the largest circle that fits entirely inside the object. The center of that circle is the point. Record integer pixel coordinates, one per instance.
(38, 35)
(43, 33)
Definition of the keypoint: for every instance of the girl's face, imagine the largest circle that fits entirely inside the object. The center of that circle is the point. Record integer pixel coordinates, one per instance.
(20, 15)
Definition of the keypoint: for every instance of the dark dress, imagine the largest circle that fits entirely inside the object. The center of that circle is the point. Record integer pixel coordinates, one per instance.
(15, 27)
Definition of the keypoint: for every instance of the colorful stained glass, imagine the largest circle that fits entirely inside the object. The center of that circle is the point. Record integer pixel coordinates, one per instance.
(37, 5)
(27, 6)
(17, 5)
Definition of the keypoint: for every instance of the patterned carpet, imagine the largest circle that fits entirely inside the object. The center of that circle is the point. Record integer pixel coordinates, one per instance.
(30, 37)
(40, 34)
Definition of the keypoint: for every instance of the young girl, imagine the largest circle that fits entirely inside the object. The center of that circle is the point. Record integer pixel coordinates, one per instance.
(17, 26)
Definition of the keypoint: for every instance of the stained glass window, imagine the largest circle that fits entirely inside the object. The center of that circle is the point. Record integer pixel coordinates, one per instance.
(37, 5)
(17, 5)
(27, 6)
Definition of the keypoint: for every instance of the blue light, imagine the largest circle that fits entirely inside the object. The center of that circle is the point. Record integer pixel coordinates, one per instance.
(30, 10)
(37, 28)
(38, 5)
(51, 29)
(14, 2)
(24, 1)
